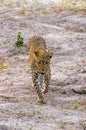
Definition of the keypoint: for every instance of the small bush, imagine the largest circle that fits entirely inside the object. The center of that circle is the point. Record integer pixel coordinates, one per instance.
(20, 40)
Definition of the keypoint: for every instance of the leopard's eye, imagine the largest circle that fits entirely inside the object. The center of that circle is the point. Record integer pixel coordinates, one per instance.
(39, 62)
(47, 62)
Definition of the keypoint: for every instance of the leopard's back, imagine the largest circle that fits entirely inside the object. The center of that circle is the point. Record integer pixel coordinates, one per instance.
(35, 43)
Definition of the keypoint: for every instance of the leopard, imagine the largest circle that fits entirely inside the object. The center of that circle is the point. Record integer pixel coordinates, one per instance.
(40, 58)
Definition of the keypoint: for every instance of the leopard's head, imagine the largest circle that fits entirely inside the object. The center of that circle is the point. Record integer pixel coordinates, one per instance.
(42, 61)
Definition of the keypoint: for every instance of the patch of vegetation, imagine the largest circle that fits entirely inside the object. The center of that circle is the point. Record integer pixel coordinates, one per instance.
(71, 122)
(36, 5)
(59, 47)
(31, 128)
(9, 4)
(82, 102)
(76, 106)
(69, 5)
(62, 124)
(79, 103)
(3, 66)
(20, 40)
(1, 1)
(23, 11)
(23, 24)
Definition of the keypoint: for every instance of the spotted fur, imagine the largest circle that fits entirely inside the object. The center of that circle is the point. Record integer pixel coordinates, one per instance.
(39, 59)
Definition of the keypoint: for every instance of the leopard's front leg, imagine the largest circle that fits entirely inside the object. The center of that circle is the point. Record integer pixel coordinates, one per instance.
(47, 78)
(37, 87)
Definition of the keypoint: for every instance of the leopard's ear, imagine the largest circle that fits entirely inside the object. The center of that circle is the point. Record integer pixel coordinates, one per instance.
(50, 54)
(39, 52)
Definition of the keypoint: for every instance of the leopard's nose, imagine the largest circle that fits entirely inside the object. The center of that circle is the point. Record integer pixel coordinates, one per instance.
(42, 72)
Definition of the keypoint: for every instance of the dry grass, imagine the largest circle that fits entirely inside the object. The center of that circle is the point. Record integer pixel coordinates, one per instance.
(79, 103)
(69, 5)
(27, 8)
(82, 102)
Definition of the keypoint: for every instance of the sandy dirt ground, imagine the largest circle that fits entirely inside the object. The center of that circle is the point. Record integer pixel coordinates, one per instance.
(65, 35)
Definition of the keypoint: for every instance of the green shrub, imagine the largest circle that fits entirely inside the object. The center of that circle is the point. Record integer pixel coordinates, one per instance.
(20, 40)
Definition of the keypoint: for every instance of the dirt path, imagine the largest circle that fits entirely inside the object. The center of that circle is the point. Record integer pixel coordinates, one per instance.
(65, 35)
